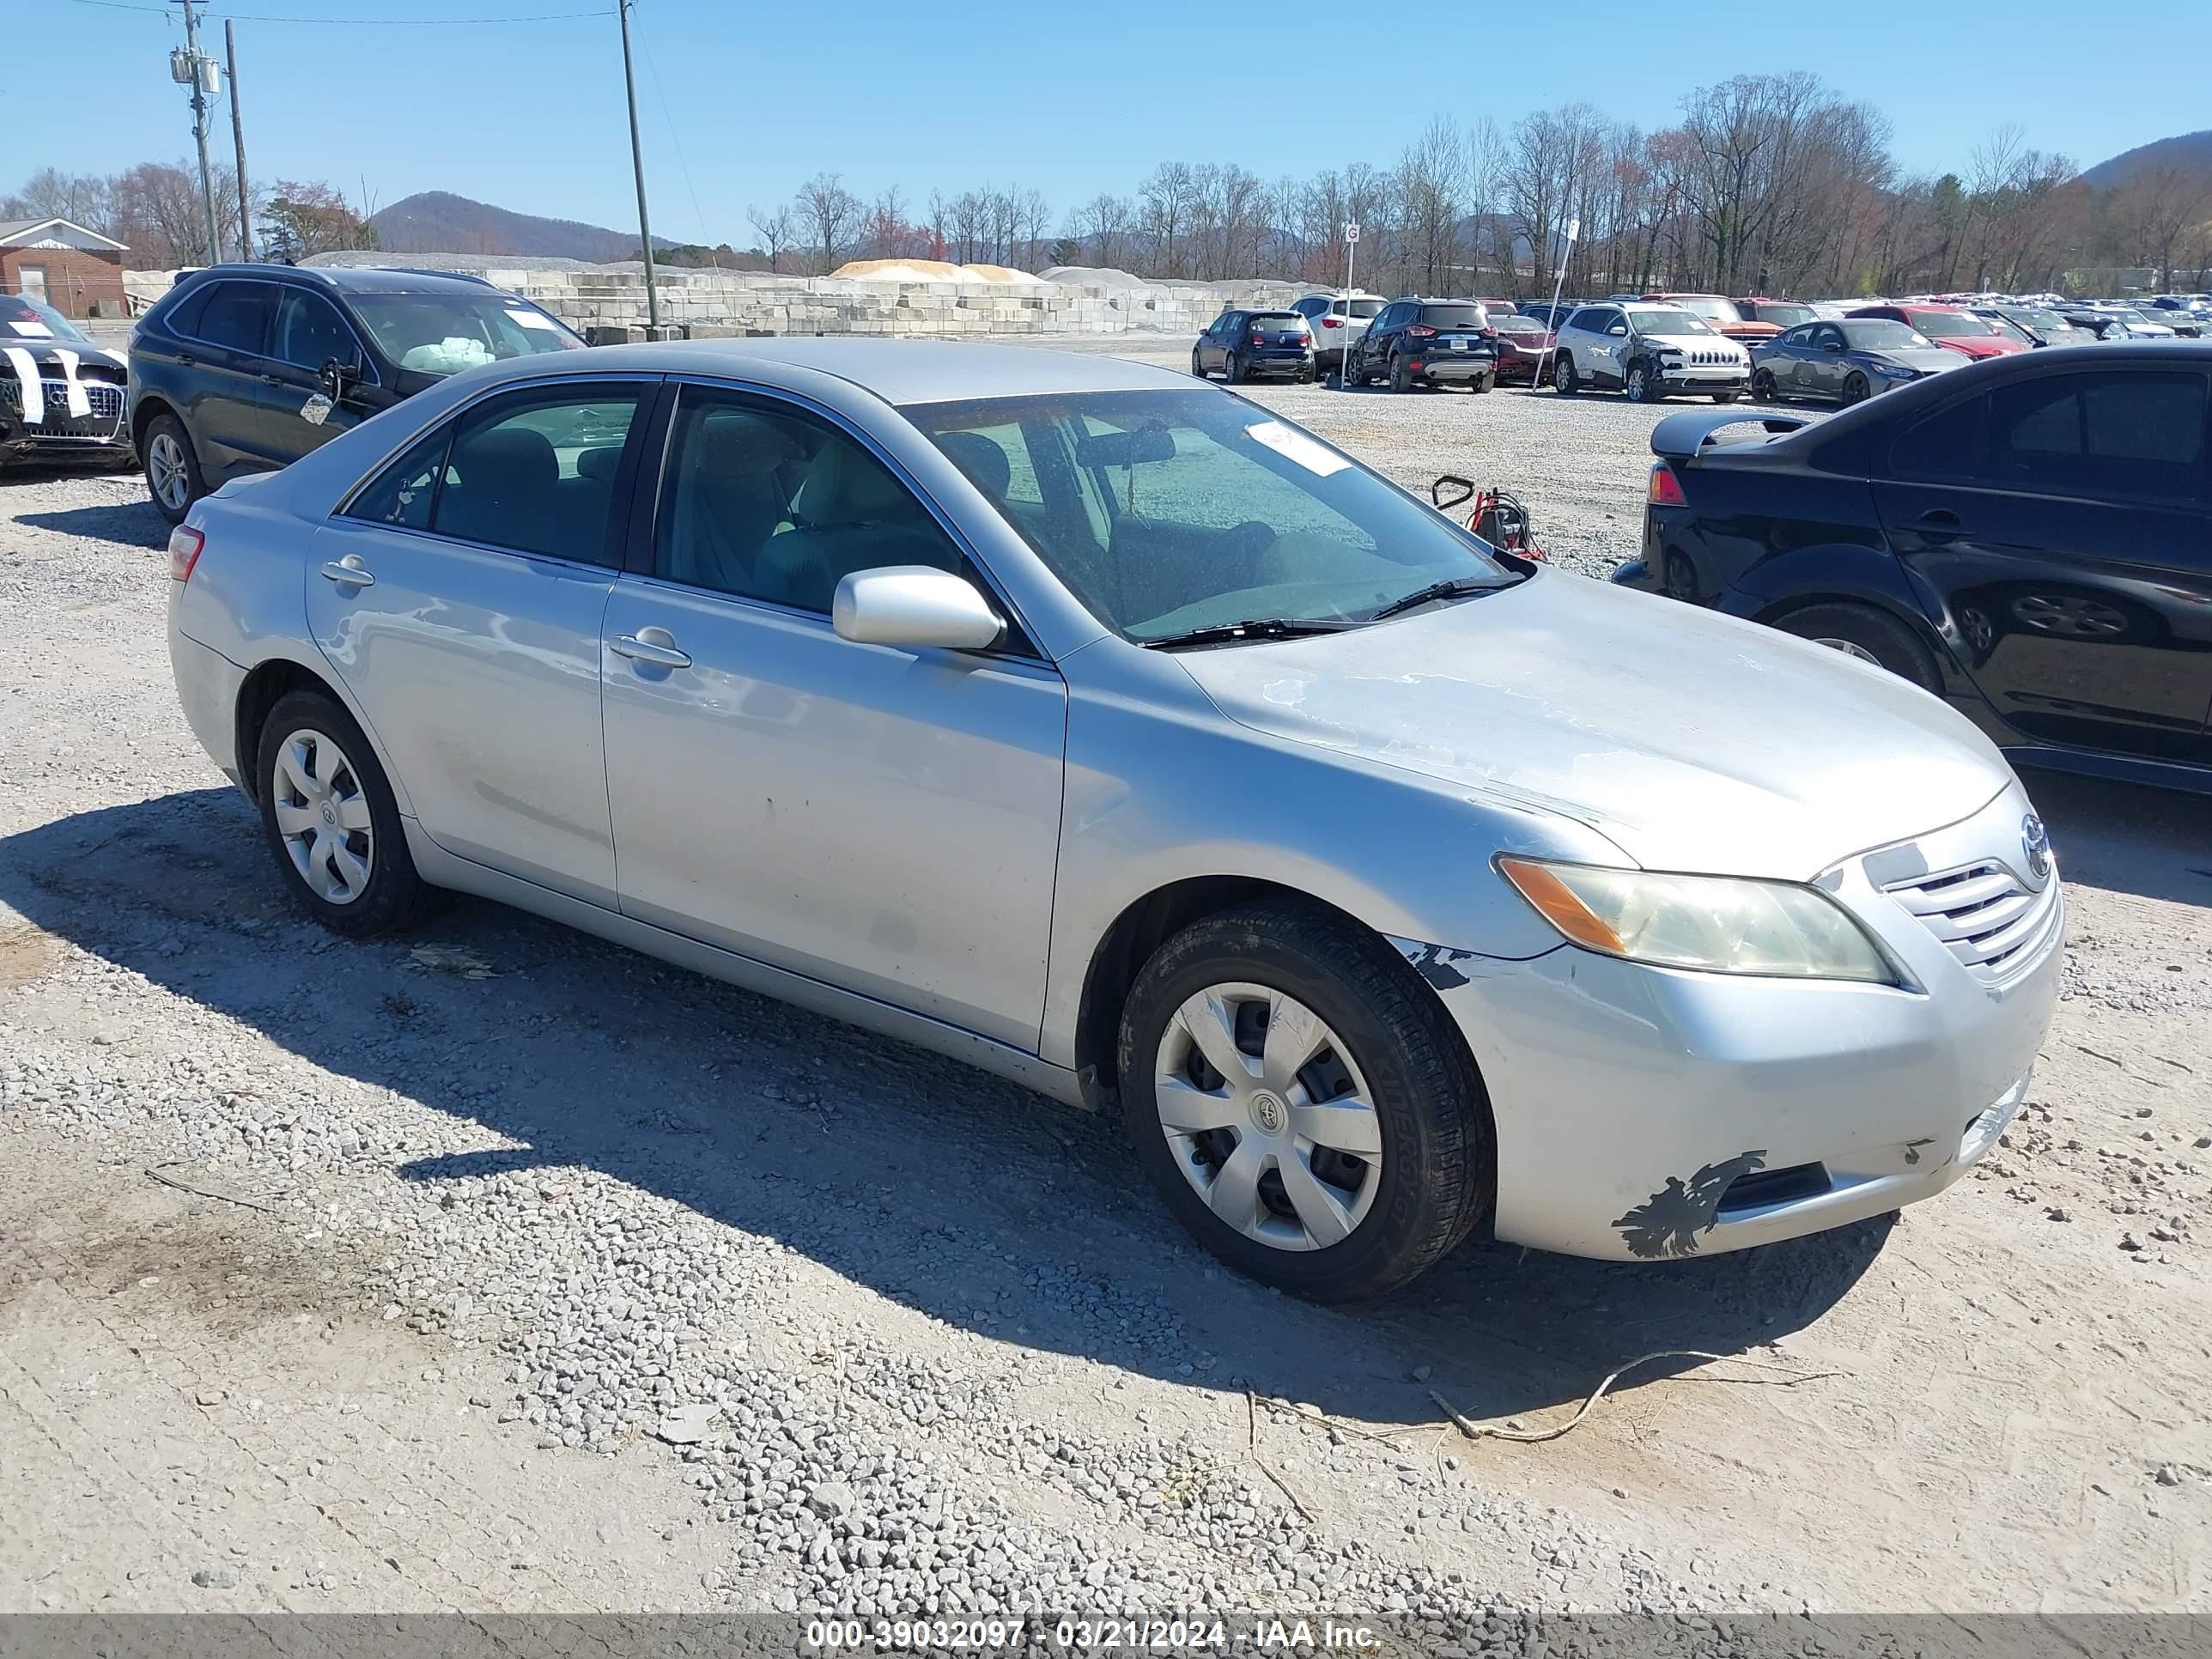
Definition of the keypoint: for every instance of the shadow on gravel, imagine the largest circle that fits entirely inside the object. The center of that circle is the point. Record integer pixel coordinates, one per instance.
(965, 1197)
(2127, 839)
(126, 524)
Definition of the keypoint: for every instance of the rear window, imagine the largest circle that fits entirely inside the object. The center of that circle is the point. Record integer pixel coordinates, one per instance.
(1453, 316)
(1276, 322)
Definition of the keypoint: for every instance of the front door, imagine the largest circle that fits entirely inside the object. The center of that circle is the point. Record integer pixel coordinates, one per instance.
(2066, 520)
(884, 820)
(297, 415)
(459, 598)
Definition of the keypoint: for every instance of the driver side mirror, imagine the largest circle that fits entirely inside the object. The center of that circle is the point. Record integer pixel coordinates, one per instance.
(1618, 328)
(1465, 488)
(915, 606)
(1831, 346)
(334, 377)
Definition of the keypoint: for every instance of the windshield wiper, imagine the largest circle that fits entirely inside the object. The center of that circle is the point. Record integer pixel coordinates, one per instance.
(1456, 587)
(1256, 627)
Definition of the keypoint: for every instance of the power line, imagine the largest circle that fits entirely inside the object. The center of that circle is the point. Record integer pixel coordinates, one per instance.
(676, 144)
(402, 22)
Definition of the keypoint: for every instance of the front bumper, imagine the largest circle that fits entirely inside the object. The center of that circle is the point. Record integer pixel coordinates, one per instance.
(1701, 378)
(101, 435)
(1646, 1113)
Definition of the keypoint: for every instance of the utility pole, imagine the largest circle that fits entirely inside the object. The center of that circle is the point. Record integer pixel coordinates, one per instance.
(637, 164)
(238, 143)
(204, 76)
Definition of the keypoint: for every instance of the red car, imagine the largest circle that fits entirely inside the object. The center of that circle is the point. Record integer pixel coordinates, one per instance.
(1948, 325)
(1721, 317)
(1522, 343)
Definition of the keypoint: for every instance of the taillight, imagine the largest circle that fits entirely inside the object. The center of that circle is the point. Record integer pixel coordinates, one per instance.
(1665, 488)
(1421, 330)
(1258, 339)
(184, 544)
(1332, 322)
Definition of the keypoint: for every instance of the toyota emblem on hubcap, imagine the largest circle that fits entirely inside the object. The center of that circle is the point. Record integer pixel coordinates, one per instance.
(2035, 841)
(1268, 1114)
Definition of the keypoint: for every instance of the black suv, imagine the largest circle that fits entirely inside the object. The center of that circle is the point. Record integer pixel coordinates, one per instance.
(1426, 342)
(242, 368)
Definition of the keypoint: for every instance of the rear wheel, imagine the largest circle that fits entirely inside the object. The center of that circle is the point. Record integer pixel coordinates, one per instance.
(1235, 373)
(1871, 635)
(1302, 1101)
(331, 819)
(173, 471)
(1401, 379)
(1565, 381)
(1196, 366)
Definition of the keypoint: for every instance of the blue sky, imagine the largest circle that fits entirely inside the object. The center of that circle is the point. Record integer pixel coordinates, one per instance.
(750, 99)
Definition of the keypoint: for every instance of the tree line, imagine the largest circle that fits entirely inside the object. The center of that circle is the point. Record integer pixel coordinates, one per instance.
(156, 211)
(1769, 183)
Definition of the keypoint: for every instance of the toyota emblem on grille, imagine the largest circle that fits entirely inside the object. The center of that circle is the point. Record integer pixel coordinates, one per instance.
(2035, 841)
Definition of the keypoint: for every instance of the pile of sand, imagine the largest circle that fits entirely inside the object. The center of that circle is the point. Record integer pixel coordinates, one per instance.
(1093, 277)
(926, 270)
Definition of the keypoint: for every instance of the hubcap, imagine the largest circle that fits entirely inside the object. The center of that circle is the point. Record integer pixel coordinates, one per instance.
(2069, 614)
(165, 470)
(1268, 1117)
(1851, 650)
(323, 816)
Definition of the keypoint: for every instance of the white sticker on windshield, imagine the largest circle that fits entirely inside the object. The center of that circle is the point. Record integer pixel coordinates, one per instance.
(533, 320)
(32, 330)
(1293, 445)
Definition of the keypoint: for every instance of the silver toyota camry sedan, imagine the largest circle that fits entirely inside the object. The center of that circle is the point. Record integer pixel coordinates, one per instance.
(1105, 731)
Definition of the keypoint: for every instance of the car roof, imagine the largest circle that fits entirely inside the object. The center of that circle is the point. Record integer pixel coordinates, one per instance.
(900, 371)
(359, 279)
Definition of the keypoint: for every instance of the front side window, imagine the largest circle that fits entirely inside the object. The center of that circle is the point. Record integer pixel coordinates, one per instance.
(535, 472)
(235, 315)
(445, 333)
(310, 332)
(1797, 337)
(1163, 512)
(762, 501)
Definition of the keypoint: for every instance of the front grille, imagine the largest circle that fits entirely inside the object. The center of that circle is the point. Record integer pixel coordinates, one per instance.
(106, 401)
(1983, 914)
(1709, 359)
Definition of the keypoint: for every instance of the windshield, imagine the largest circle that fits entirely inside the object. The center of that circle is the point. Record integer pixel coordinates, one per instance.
(2042, 322)
(1711, 307)
(1467, 316)
(1950, 324)
(1783, 316)
(1168, 511)
(1668, 319)
(2152, 317)
(22, 318)
(1877, 334)
(445, 333)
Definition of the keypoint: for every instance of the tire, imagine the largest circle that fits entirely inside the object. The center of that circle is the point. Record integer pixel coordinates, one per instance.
(1566, 380)
(1399, 379)
(172, 470)
(1726, 397)
(1763, 388)
(1196, 368)
(1871, 635)
(1855, 389)
(1681, 578)
(1637, 386)
(1427, 1125)
(1234, 372)
(1481, 383)
(309, 738)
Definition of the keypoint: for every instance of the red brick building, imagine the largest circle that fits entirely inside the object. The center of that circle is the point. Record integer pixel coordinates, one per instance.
(70, 268)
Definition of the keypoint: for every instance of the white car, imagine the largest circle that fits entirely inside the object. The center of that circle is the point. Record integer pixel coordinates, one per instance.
(1338, 321)
(1647, 352)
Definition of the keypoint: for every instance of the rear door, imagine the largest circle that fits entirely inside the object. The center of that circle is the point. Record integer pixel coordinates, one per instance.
(1827, 365)
(460, 596)
(220, 384)
(2066, 519)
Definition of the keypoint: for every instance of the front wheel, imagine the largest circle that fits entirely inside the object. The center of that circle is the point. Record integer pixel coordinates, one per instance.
(1565, 381)
(331, 820)
(1303, 1102)
(1763, 388)
(1855, 389)
(1640, 387)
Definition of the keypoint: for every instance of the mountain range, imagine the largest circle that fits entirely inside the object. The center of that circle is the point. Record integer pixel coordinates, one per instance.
(2186, 149)
(439, 221)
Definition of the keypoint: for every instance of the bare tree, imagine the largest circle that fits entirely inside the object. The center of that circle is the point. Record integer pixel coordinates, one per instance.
(832, 216)
(777, 231)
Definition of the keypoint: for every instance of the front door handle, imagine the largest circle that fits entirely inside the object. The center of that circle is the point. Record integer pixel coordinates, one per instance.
(272, 380)
(348, 572)
(656, 646)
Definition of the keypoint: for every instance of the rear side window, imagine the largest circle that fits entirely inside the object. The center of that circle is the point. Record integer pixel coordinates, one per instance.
(2130, 436)
(536, 473)
(1946, 446)
(236, 316)
(402, 494)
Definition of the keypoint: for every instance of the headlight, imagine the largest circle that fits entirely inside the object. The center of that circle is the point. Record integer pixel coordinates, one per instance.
(1895, 371)
(1720, 924)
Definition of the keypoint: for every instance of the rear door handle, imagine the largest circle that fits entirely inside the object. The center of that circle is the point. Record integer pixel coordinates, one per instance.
(348, 572)
(1938, 525)
(651, 644)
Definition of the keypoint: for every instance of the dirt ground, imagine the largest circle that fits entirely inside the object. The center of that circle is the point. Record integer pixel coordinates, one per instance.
(295, 1367)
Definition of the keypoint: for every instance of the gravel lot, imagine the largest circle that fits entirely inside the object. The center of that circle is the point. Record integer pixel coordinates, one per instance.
(496, 1269)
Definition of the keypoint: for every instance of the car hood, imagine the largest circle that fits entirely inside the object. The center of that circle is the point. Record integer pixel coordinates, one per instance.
(1693, 341)
(1693, 741)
